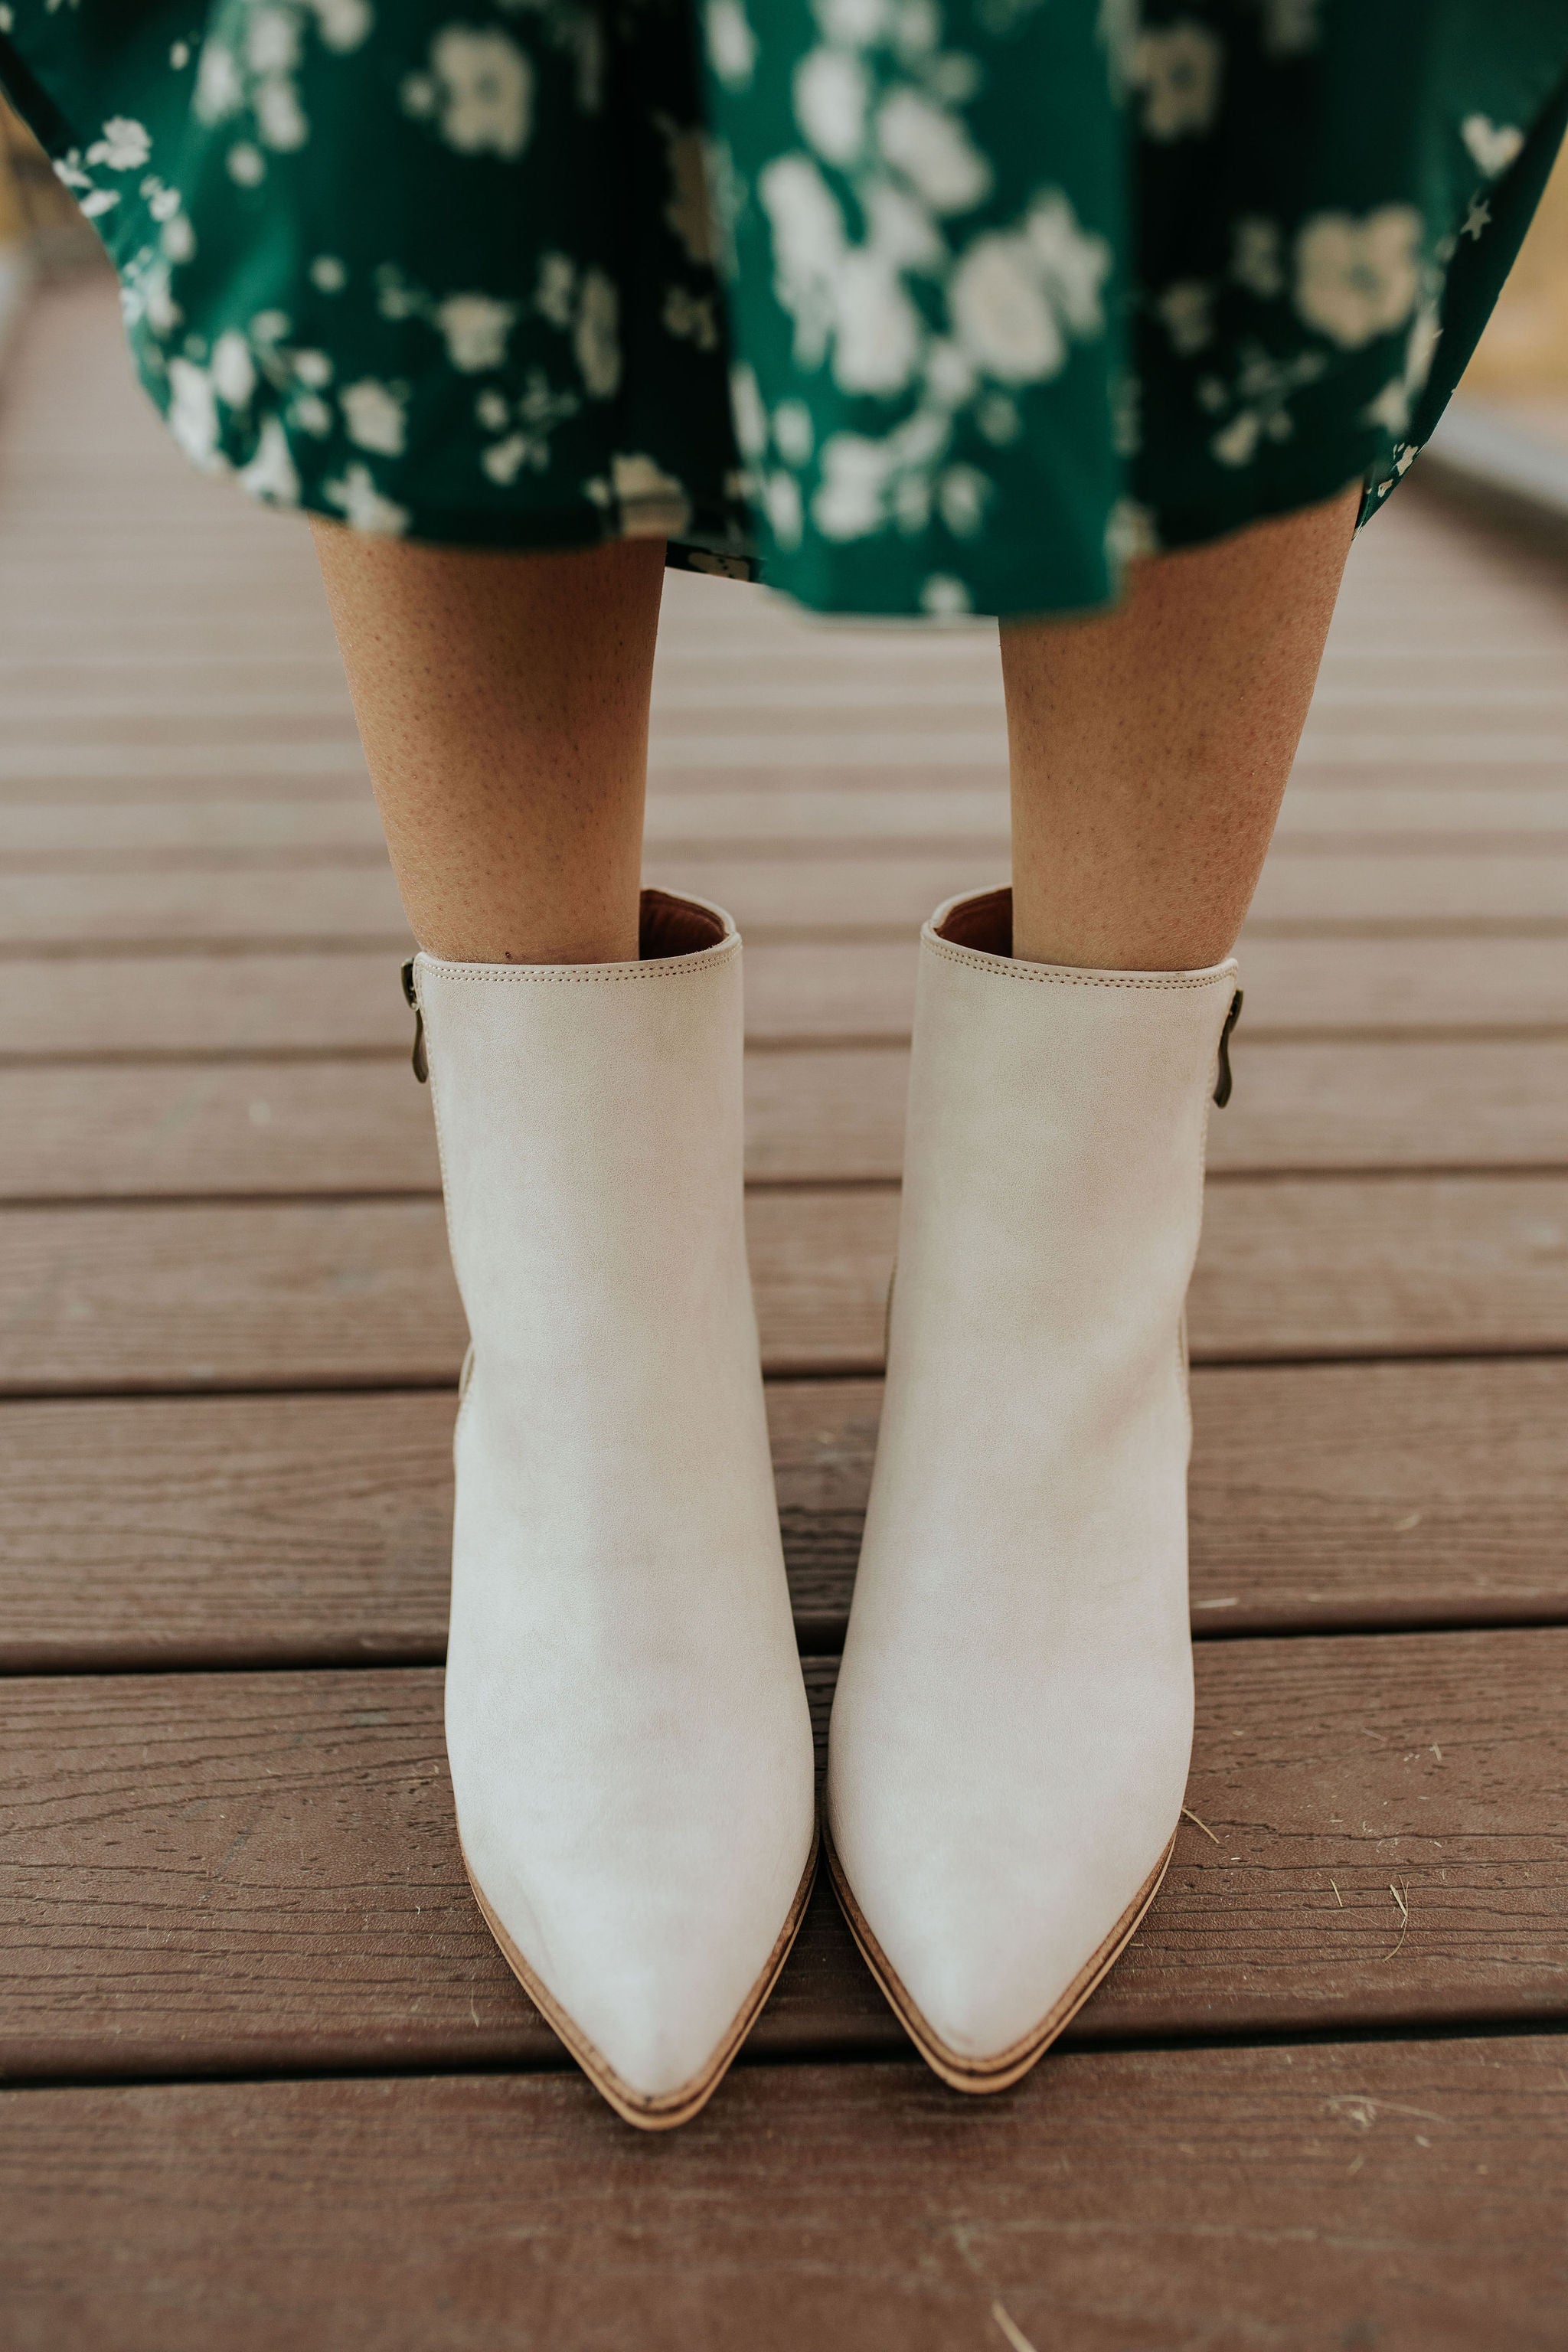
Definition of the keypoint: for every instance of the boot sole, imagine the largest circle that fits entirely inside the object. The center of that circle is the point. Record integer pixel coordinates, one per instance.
(979, 2076)
(663, 2110)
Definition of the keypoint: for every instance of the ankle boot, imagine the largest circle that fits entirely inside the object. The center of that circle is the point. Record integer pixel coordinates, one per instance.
(626, 1723)
(1013, 1723)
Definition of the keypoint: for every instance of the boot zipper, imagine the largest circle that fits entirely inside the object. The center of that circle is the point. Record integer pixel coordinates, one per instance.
(1222, 1083)
(420, 1059)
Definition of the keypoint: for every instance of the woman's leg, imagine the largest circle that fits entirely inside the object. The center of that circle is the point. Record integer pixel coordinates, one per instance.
(1150, 749)
(1013, 1722)
(504, 704)
(627, 1727)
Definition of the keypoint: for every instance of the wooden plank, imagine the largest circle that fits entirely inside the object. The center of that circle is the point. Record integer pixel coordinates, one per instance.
(350, 1001)
(841, 891)
(82, 836)
(814, 1115)
(1405, 2195)
(248, 1870)
(360, 1293)
(304, 1531)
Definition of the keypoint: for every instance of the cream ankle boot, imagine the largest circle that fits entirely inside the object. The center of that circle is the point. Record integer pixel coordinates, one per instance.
(626, 1723)
(1013, 1716)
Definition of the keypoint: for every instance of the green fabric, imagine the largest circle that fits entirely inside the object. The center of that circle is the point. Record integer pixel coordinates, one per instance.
(1004, 289)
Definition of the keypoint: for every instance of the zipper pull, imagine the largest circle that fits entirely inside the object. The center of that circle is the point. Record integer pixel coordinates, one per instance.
(1221, 1082)
(422, 1059)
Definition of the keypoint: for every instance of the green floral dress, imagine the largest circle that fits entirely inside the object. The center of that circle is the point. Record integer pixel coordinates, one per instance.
(912, 306)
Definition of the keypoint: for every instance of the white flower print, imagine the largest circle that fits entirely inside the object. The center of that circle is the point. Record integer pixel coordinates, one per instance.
(343, 24)
(1186, 310)
(998, 419)
(270, 474)
(1129, 530)
(1291, 27)
(1178, 70)
(1358, 278)
(596, 340)
(154, 297)
(124, 146)
(1126, 392)
(480, 90)
(1116, 28)
(178, 239)
(557, 288)
(856, 23)
(272, 41)
(1492, 146)
(94, 202)
(373, 415)
(793, 432)
(313, 368)
(848, 503)
(945, 598)
(732, 44)
(1073, 265)
(312, 414)
(747, 413)
(690, 317)
(1477, 216)
(1393, 406)
(504, 460)
(280, 117)
(831, 96)
(1015, 294)
(220, 86)
(809, 243)
(328, 275)
(1256, 256)
(686, 213)
(653, 504)
(233, 369)
(931, 148)
(247, 165)
(362, 505)
(1262, 390)
(864, 483)
(193, 413)
(1000, 314)
(782, 505)
(532, 420)
(963, 494)
(880, 330)
(475, 328)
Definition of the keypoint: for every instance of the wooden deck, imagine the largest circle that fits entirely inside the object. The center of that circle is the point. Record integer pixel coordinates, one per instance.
(270, 2083)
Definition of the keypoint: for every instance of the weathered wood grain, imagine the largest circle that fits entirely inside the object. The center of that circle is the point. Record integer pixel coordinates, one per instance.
(764, 817)
(259, 1870)
(360, 1293)
(349, 1001)
(1409, 2196)
(814, 1115)
(298, 1530)
(839, 890)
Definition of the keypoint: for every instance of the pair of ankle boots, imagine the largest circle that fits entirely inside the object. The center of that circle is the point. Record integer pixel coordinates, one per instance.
(626, 1723)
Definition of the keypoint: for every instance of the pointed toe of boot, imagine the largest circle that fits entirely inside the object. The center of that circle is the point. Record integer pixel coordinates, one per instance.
(983, 1972)
(652, 1997)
